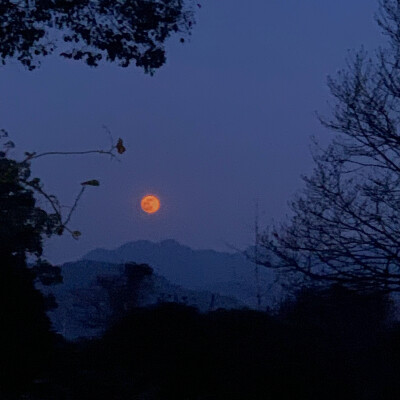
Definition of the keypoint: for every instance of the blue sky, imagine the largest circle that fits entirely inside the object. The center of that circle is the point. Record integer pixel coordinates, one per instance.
(225, 122)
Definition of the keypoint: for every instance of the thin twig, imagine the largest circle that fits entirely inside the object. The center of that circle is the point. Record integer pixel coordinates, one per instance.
(33, 156)
(74, 206)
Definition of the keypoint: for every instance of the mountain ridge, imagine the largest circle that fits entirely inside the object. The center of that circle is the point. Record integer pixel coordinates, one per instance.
(203, 269)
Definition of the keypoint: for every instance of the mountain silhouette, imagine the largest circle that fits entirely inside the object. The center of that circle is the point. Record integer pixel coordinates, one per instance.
(94, 293)
(206, 279)
(229, 274)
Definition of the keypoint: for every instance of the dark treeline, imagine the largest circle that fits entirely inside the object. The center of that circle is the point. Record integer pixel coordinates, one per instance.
(326, 344)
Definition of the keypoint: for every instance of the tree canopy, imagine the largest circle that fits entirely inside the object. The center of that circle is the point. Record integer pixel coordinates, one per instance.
(346, 222)
(122, 31)
(24, 224)
(22, 308)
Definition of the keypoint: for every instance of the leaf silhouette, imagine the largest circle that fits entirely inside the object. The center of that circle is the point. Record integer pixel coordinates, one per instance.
(120, 146)
(92, 182)
(76, 234)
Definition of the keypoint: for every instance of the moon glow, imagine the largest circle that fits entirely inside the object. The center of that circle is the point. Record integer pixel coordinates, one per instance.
(150, 204)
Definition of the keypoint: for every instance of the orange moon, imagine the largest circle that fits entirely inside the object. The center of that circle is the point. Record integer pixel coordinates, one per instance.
(150, 204)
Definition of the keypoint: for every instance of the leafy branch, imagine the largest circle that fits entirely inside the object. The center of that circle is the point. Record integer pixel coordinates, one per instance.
(57, 222)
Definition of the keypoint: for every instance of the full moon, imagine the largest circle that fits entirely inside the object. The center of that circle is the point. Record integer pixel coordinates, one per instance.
(150, 204)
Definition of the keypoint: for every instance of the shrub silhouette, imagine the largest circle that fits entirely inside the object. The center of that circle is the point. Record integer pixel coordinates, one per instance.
(309, 350)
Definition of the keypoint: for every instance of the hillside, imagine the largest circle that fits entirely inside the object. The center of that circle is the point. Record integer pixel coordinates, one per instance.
(93, 293)
(229, 274)
(205, 279)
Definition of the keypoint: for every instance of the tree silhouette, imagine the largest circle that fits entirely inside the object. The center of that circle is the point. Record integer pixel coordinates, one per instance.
(28, 340)
(346, 223)
(122, 31)
(109, 298)
(26, 333)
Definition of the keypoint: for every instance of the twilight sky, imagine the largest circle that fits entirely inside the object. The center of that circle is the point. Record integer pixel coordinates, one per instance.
(225, 122)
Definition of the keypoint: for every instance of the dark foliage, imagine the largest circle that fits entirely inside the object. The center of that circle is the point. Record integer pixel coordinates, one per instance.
(327, 344)
(26, 337)
(22, 223)
(122, 31)
(27, 341)
(109, 298)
